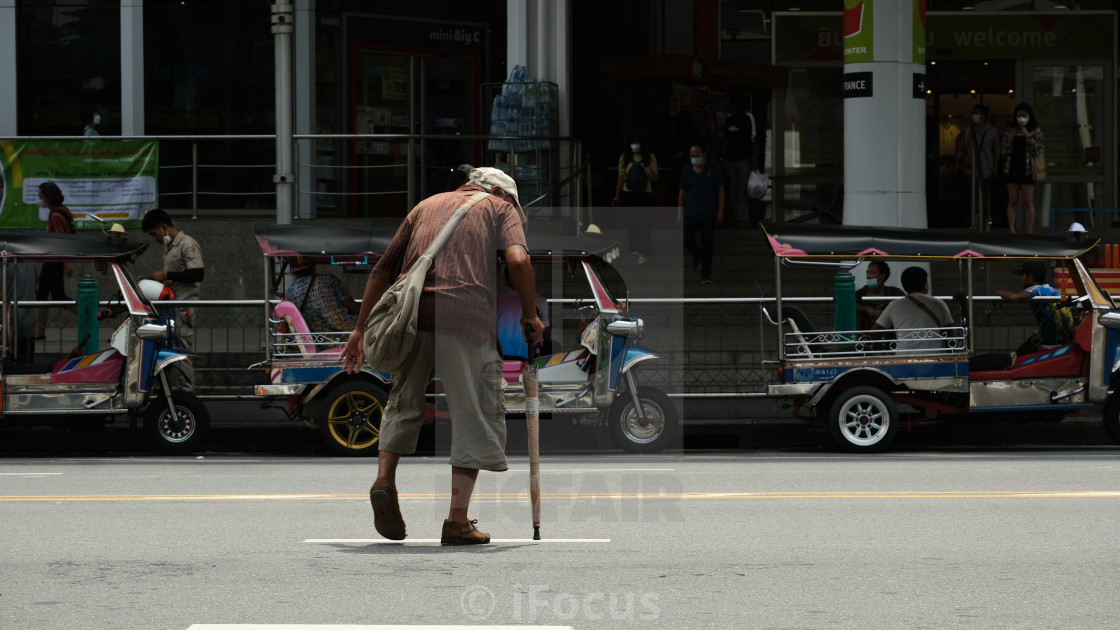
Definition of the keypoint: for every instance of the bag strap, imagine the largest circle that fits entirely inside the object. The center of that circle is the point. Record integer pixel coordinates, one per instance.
(926, 309)
(441, 238)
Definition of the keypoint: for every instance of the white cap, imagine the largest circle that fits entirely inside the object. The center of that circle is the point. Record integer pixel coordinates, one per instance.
(118, 228)
(488, 177)
(592, 229)
(1077, 227)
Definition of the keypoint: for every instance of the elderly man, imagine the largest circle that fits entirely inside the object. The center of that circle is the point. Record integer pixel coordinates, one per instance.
(455, 339)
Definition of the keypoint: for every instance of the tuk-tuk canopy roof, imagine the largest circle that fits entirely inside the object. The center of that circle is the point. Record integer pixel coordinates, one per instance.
(54, 246)
(324, 241)
(845, 241)
(316, 240)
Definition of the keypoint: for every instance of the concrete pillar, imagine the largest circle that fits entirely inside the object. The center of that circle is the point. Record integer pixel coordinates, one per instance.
(132, 68)
(538, 37)
(884, 113)
(8, 56)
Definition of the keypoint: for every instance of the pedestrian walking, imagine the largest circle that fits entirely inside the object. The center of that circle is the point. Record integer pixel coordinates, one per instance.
(637, 171)
(740, 157)
(700, 208)
(52, 283)
(456, 338)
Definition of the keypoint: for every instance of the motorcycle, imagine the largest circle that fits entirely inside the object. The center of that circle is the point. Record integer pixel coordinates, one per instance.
(591, 371)
(127, 381)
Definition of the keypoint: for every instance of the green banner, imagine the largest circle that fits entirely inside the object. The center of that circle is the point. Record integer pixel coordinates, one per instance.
(1018, 36)
(117, 181)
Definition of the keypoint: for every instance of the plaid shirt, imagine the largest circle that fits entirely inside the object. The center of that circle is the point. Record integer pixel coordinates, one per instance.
(459, 294)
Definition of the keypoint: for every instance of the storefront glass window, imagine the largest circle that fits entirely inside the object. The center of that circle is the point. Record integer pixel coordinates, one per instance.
(1070, 108)
(813, 122)
(69, 65)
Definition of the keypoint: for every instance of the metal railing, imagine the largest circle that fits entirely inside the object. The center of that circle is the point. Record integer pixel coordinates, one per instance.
(237, 173)
(847, 344)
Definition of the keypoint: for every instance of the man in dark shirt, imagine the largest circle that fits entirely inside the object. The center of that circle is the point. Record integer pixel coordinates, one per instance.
(700, 208)
(740, 133)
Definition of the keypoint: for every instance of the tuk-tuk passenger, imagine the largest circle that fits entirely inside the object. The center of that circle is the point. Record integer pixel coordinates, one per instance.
(918, 313)
(321, 298)
(877, 274)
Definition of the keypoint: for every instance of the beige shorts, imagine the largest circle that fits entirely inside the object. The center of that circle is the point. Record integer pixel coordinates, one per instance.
(471, 374)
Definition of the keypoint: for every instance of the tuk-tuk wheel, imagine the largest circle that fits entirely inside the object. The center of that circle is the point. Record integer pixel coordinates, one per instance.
(1111, 416)
(863, 419)
(181, 435)
(649, 434)
(350, 423)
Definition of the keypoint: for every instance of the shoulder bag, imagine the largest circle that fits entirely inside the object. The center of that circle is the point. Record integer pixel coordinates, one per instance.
(391, 325)
(1038, 166)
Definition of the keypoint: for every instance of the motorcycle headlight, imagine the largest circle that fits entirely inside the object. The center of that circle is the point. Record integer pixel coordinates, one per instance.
(634, 328)
(152, 331)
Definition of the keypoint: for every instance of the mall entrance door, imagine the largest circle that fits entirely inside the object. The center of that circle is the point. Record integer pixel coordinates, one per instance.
(957, 87)
(402, 94)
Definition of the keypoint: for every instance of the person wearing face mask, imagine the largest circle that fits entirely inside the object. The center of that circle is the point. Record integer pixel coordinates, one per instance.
(877, 274)
(700, 208)
(637, 171)
(91, 119)
(183, 273)
(977, 158)
(1021, 141)
(51, 282)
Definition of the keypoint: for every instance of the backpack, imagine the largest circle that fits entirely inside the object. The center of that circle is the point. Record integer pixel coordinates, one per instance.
(636, 177)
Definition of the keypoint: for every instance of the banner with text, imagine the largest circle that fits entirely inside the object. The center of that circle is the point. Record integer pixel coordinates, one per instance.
(116, 181)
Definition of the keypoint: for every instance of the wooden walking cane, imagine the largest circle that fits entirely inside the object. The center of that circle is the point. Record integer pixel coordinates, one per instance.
(532, 419)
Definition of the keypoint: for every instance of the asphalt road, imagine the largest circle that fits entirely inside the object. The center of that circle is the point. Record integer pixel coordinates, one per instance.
(979, 538)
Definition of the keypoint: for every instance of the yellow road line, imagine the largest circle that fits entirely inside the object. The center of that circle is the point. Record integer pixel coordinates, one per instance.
(579, 496)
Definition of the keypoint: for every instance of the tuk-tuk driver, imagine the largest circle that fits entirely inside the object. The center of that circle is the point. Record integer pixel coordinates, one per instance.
(1055, 323)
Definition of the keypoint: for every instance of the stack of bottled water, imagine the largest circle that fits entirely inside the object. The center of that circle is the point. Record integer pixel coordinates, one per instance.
(524, 107)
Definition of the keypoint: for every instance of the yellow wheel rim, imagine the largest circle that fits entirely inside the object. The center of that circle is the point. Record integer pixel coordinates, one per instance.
(354, 420)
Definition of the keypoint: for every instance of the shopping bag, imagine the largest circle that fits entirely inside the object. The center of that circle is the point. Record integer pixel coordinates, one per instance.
(757, 184)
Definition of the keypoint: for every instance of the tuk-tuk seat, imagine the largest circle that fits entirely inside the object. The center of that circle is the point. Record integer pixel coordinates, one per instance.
(299, 334)
(511, 370)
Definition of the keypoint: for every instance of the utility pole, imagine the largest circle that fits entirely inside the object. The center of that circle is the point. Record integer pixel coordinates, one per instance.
(282, 27)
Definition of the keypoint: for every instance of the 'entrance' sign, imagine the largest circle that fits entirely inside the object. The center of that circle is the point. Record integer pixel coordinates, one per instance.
(857, 84)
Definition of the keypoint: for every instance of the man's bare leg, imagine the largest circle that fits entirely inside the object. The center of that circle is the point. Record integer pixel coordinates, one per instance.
(387, 517)
(458, 529)
(462, 487)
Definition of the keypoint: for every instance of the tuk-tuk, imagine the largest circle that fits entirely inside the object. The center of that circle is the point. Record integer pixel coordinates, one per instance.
(128, 380)
(590, 371)
(867, 385)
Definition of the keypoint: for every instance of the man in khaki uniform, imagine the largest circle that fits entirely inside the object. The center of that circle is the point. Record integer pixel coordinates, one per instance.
(182, 273)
